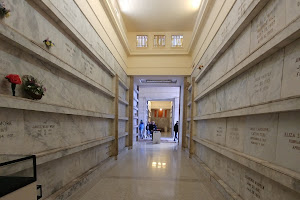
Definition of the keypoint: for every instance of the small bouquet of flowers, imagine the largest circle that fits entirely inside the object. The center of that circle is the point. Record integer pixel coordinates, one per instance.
(33, 87)
(48, 43)
(4, 12)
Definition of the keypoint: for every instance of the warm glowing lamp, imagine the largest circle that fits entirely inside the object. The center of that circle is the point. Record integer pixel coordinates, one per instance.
(196, 4)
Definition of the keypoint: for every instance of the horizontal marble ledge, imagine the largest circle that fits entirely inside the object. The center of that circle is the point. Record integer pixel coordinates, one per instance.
(123, 101)
(28, 104)
(135, 108)
(122, 135)
(279, 41)
(135, 126)
(227, 191)
(53, 154)
(189, 104)
(188, 119)
(284, 105)
(249, 14)
(123, 118)
(279, 174)
(69, 28)
(135, 117)
(21, 42)
(190, 88)
(134, 98)
(123, 85)
(188, 135)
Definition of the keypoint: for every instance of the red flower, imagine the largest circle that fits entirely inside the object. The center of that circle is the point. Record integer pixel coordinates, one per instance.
(14, 78)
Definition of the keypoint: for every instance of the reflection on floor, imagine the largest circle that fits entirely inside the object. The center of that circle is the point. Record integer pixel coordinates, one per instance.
(150, 171)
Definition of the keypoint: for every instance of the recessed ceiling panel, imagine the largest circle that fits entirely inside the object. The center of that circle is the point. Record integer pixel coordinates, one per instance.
(159, 15)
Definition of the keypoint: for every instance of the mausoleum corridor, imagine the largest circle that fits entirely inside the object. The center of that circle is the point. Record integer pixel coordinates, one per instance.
(152, 171)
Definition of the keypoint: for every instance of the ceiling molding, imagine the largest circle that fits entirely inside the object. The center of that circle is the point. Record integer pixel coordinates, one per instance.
(118, 27)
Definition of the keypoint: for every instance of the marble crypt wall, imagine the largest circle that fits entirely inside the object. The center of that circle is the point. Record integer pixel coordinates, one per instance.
(246, 110)
(72, 128)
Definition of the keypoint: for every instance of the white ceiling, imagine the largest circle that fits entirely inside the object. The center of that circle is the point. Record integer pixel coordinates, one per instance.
(159, 15)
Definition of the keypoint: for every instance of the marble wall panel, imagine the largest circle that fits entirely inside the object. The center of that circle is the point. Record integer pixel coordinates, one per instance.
(292, 10)
(233, 175)
(28, 132)
(122, 93)
(264, 80)
(201, 128)
(44, 132)
(207, 104)
(56, 174)
(122, 110)
(203, 83)
(61, 88)
(288, 141)
(220, 165)
(217, 130)
(11, 131)
(221, 104)
(236, 93)
(240, 47)
(267, 23)
(65, 48)
(122, 127)
(236, 128)
(257, 187)
(122, 143)
(260, 136)
(291, 71)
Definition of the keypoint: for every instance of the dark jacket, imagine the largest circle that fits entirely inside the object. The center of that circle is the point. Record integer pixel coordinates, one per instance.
(176, 127)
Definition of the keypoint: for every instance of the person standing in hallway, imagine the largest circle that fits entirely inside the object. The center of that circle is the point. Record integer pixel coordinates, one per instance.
(141, 129)
(176, 131)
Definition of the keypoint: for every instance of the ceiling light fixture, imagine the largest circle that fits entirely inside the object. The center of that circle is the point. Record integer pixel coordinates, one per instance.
(196, 4)
(157, 81)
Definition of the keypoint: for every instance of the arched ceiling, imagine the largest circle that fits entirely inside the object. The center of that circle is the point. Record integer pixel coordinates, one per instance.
(159, 15)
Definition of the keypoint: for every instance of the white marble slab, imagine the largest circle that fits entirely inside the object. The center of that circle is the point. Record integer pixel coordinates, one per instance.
(207, 104)
(217, 130)
(261, 135)
(268, 22)
(292, 10)
(233, 175)
(11, 131)
(257, 187)
(236, 92)
(201, 128)
(291, 70)
(264, 80)
(288, 141)
(236, 128)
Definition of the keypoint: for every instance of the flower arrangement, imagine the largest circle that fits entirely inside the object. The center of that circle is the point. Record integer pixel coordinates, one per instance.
(4, 12)
(48, 43)
(200, 67)
(14, 79)
(33, 87)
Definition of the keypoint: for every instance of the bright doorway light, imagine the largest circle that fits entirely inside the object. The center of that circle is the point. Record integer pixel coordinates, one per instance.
(160, 109)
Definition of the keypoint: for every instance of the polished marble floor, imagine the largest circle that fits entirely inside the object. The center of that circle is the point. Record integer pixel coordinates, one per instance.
(149, 172)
